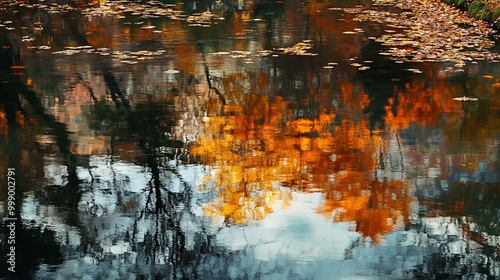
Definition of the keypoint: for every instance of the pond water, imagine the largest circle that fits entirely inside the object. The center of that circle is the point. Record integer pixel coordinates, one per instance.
(243, 140)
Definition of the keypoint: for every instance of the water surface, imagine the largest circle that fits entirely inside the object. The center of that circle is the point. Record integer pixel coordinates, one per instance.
(262, 140)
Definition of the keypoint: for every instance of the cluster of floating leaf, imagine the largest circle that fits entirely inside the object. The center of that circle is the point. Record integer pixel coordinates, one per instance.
(131, 57)
(248, 56)
(6, 24)
(360, 66)
(432, 31)
(297, 49)
(151, 9)
(50, 7)
(118, 9)
(125, 57)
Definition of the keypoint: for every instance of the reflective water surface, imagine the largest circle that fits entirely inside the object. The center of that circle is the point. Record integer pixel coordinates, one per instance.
(242, 140)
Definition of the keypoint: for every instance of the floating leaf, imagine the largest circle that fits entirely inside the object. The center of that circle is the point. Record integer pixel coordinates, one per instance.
(172, 71)
(464, 98)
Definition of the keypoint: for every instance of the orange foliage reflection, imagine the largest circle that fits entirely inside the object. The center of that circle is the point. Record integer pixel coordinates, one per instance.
(377, 207)
(256, 147)
(432, 103)
(246, 164)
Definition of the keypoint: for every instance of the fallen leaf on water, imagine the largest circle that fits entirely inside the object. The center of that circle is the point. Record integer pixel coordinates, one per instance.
(171, 71)
(414, 70)
(426, 37)
(465, 98)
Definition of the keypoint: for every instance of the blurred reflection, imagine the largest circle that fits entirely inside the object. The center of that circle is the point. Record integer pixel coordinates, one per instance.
(194, 140)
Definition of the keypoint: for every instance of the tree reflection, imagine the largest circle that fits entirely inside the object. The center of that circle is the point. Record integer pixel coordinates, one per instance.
(457, 207)
(20, 129)
(256, 146)
(280, 126)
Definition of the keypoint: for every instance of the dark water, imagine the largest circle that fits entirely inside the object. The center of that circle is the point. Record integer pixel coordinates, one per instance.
(198, 149)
